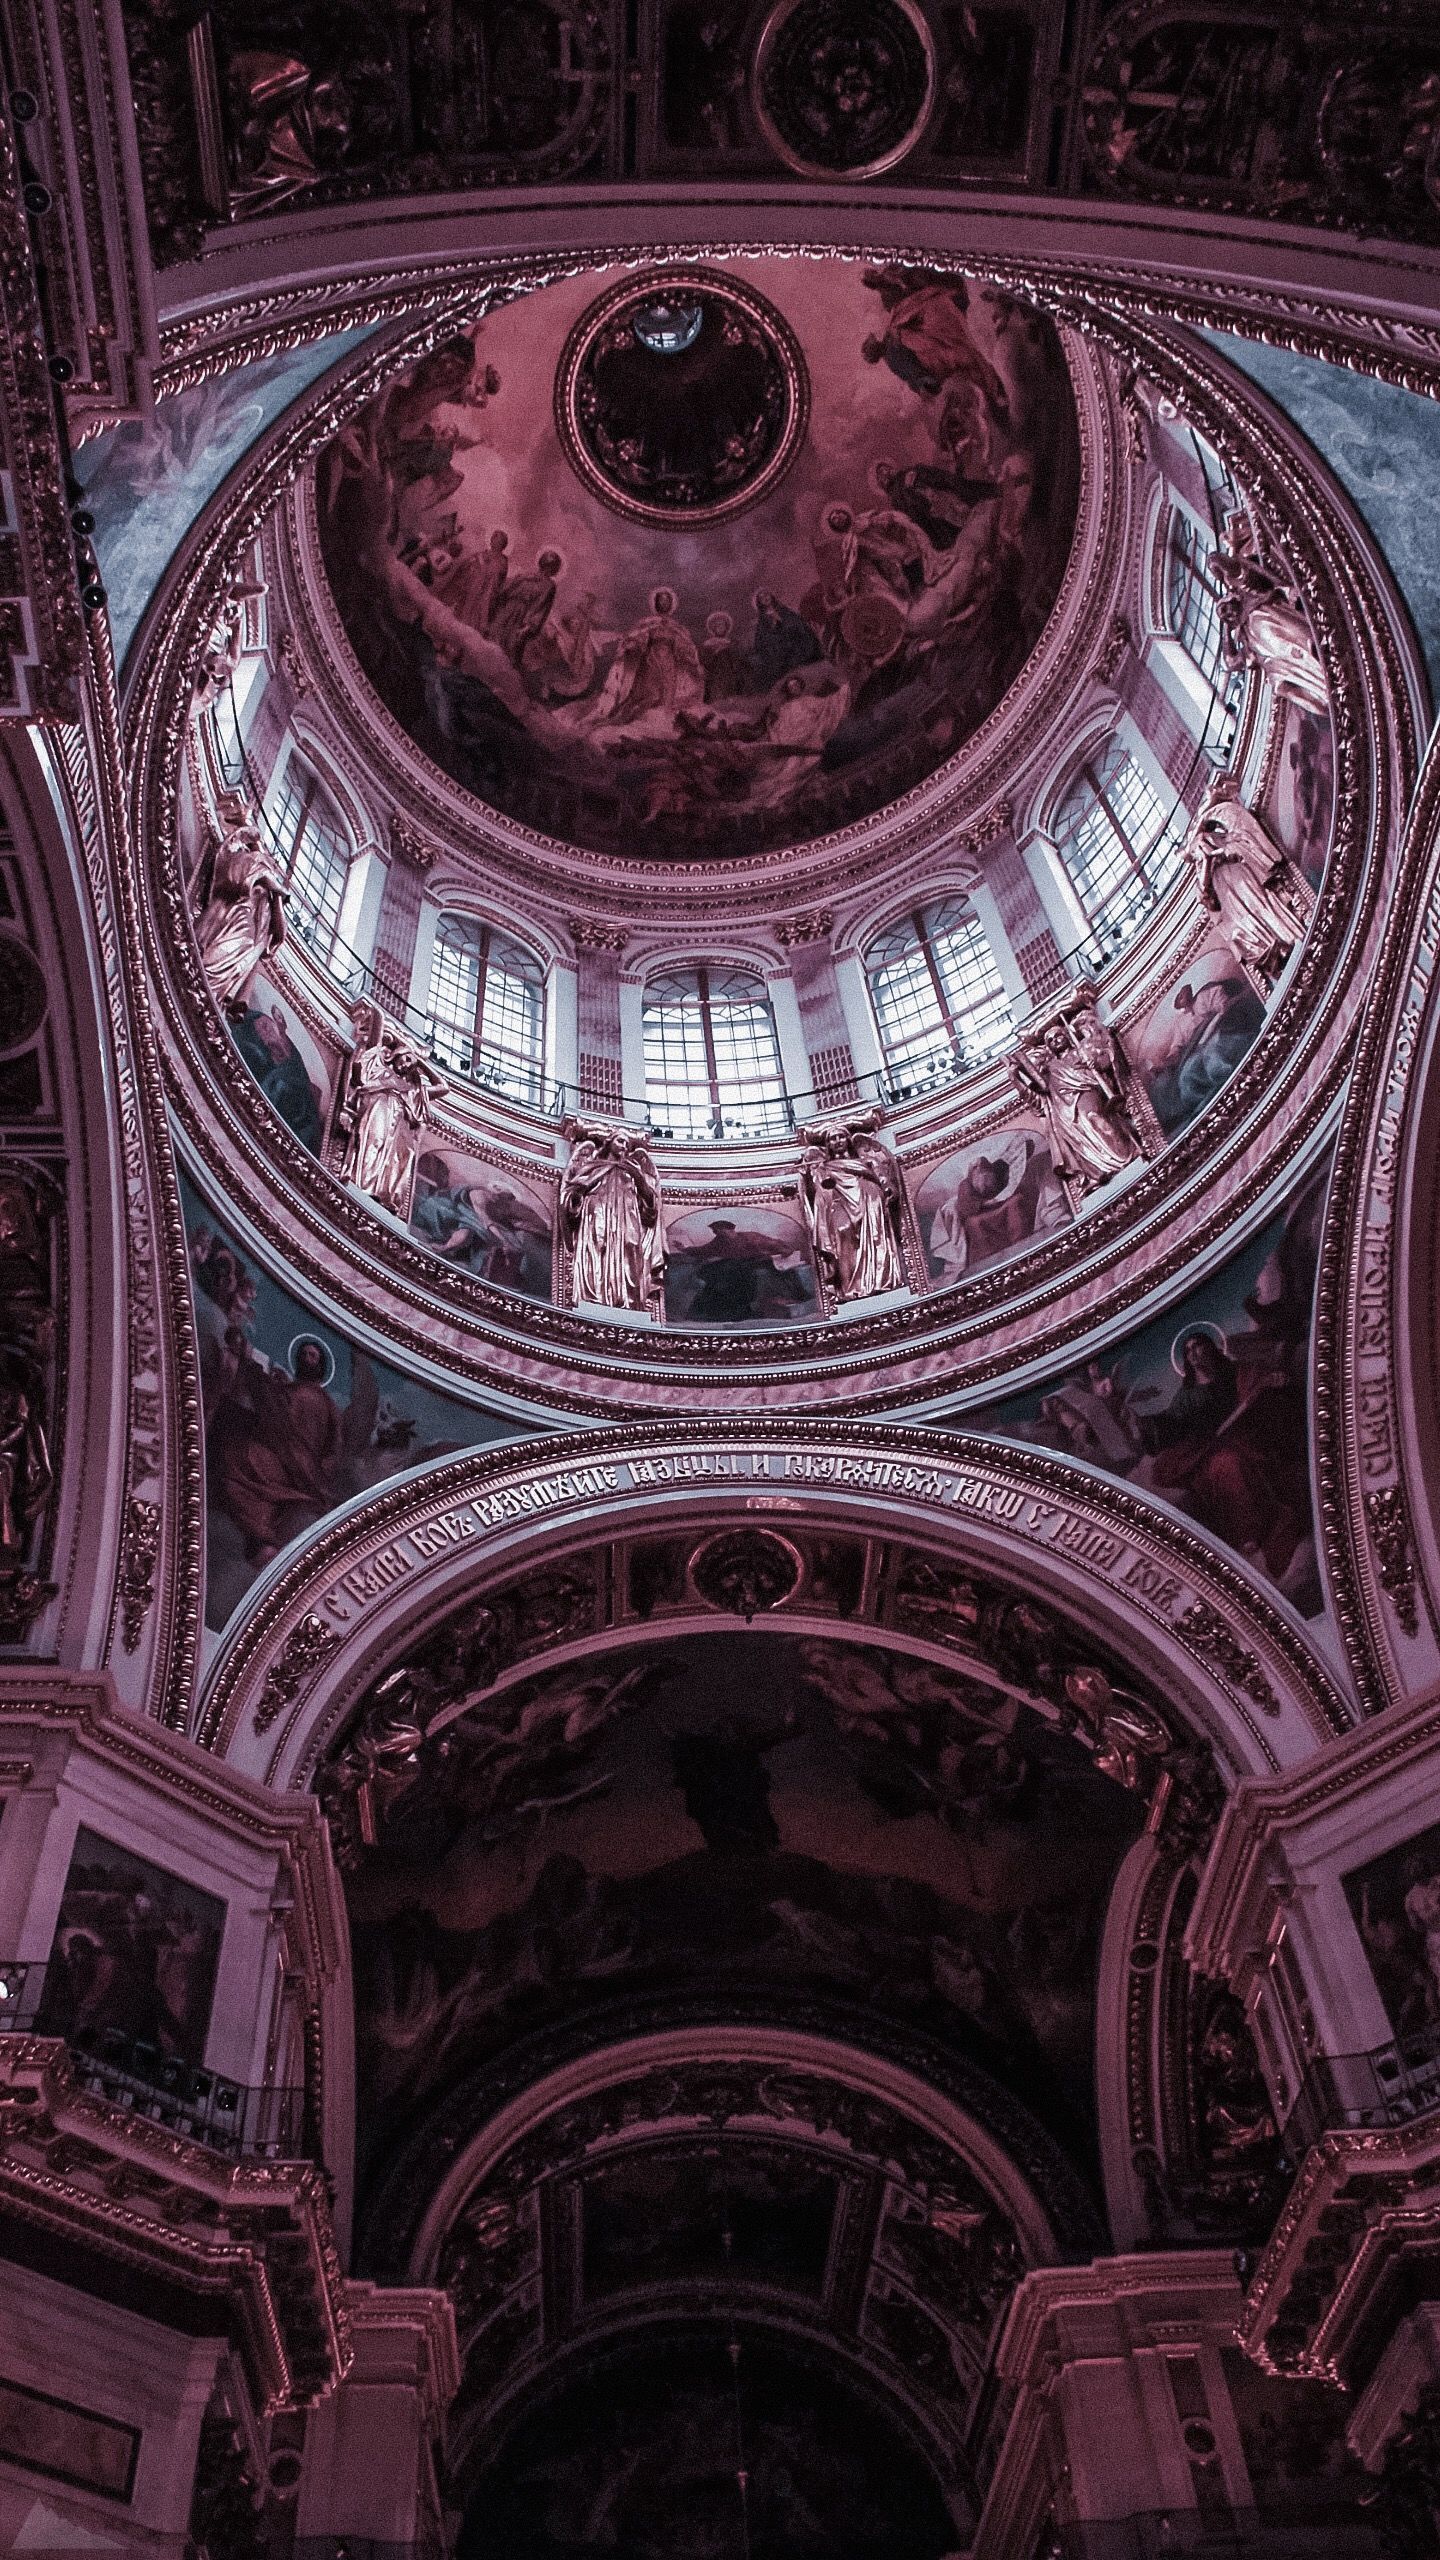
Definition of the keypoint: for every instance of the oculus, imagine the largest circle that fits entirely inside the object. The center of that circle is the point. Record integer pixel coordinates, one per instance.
(681, 397)
(844, 88)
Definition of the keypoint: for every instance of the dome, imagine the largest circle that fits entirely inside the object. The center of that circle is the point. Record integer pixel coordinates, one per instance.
(712, 585)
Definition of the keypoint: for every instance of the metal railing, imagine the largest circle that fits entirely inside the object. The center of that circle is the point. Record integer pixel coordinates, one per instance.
(1357, 2091)
(224, 2115)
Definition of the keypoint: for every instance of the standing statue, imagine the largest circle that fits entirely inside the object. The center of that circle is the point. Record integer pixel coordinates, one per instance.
(242, 919)
(226, 645)
(1261, 624)
(1244, 879)
(610, 1213)
(1076, 1074)
(850, 1191)
(385, 1088)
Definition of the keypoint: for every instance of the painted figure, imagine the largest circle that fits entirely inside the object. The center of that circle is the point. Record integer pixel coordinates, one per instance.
(850, 1190)
(1244, 878)
(242, 920)
(610, 1211)
(387, 1084)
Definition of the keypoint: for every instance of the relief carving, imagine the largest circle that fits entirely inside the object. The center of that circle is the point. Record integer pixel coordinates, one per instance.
(27, 1347)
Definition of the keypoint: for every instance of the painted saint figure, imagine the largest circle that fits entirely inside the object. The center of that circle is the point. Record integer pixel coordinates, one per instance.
(1261, 901)
(610, 1211)
(242, 919)
(1077, 1077)
(850, 1190)
(387, 1084)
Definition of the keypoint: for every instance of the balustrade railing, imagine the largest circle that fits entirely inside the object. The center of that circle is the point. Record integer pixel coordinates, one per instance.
(1355, 2091)
(225, 2115)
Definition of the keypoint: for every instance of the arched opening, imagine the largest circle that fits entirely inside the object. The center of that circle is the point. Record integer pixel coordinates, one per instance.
(939, 999)
(712, 1055)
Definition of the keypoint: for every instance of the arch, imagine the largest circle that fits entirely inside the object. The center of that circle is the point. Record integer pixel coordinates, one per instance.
(1233, 1662)
(1377, 1411)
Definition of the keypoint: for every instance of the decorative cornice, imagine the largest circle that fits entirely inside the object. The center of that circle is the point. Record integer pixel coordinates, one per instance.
(180, 2215)
(390, 1561)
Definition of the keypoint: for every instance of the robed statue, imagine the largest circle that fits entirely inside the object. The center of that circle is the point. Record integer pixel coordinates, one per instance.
(610, 1215)
(1098, 1118)
(242, 914)
(1243, 878)
(850, 1192)
(1261, 624)
(386, 1086)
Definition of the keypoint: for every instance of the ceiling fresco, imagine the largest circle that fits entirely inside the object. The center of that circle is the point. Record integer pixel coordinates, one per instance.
(640, 2457)
(850, 495)
(146, 480)
(762, 1813)
(298, 1419)
(1207, 1406)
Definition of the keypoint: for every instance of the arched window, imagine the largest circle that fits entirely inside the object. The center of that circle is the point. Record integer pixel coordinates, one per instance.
(940, 1003)
(1192, 599)
(712, 1060)
(314, 845)
(487, 1007)
(1119, 842)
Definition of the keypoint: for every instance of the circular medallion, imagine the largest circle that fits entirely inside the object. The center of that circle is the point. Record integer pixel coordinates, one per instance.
(746, 1570)
(843, 88)
(872, 627)
(681, 397)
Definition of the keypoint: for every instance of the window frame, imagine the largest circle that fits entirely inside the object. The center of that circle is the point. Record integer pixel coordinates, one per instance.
(514, 1067)
(1141, 879)
(715, 1102)
(312, 793)
(951, 1044)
